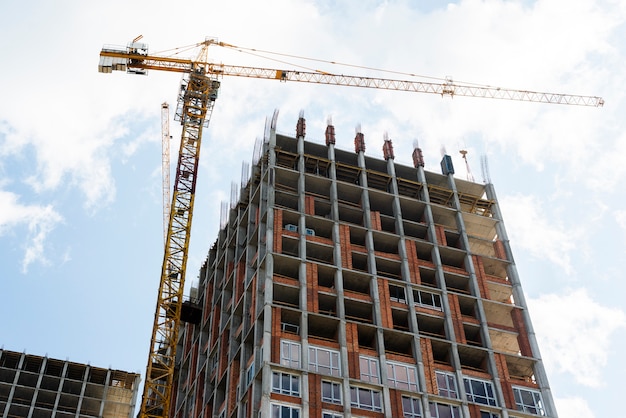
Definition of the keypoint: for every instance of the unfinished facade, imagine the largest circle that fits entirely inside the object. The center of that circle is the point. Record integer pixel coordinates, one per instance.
(347, 286)
(40, 387)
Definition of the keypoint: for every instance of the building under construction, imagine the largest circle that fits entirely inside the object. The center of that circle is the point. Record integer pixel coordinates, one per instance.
(342, 285)
(41, 387)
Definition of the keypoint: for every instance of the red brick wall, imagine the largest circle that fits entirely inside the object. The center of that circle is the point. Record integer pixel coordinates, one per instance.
(309, 205)
(457, 318)
(385, 308)
(522, 332)
(503, 372)
(352, 339)
(498, 247)
(276, 332)
(278, 231)
(413, 261)
(232, 383)
(346, 251)
(215, 324)
(240, 276)
(315, 398)
(441, 235)
(224, 353)
(481, 277)
(429, 363)
(199, 393)
(396, 403)
(474, 410)
(375, 217)
(208, 302)
(312, 287)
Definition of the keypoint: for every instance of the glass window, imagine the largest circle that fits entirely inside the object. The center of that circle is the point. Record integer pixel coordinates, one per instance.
(411, 407)
(285, 411)
(441, 410)
(396, 294)
(369, 369)
(290, 354)
(486, 414)
(324, 361)
(331, 392)
(366, 399)
(250, 374)
(446, 383)
(479, 391)
(402, 376)
(331, 415)
(285, 383)
(528, 400)
(427, 299)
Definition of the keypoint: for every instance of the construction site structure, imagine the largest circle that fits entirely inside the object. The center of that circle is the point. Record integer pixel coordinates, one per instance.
(42, 387)
(197, 96)
(344, 285)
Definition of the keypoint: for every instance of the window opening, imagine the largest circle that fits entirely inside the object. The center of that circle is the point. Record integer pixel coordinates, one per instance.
(427, 299)
(369, 369)
(441, 410)
(446, 383)
(284, 411)
(331, 392)
(365, 399)
(411, 407)
(402, 376)
(285, 383)
(396, 294)
(479, 391)
(528, 400)
(324, 361)
(290, 354)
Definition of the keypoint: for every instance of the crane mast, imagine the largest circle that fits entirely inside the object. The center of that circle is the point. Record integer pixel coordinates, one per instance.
(197, 96)
(165, 167)
(195, 105)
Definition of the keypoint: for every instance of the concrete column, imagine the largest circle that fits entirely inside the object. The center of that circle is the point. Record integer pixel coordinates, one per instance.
(15, 380)
(304, 381)
(42, 370)
(428, 214)
(264, 408)
(58, 397)
(82, 391)
(540, 373)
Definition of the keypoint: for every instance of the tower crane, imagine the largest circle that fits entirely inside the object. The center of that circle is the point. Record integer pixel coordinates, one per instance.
(165, 161)
(196, 99)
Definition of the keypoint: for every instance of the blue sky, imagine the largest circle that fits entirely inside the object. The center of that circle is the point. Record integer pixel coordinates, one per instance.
(80, 155)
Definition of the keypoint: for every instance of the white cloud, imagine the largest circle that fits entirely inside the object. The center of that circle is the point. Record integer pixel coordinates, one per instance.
(620, 217)
(39, 220)
(574, 333)
(526, 219)
(573, 407)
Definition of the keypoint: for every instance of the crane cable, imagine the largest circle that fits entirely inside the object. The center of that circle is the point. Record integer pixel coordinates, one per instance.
(363, 67)
(258, 53)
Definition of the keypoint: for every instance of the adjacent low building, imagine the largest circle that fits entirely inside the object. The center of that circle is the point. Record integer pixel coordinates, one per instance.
(42, 387)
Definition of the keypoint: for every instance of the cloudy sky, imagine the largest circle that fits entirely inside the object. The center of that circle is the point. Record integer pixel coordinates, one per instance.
(80, 155)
